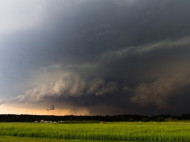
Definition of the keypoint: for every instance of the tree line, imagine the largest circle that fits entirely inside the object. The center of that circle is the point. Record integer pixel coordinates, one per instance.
(97, 118)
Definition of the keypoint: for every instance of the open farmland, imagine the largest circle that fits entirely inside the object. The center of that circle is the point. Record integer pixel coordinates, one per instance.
(121, 131)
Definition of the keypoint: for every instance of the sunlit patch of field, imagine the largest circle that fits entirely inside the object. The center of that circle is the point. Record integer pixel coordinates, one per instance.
(87, 132)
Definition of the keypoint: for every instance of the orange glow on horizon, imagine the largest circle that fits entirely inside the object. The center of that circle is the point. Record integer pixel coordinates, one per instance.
(12, 109)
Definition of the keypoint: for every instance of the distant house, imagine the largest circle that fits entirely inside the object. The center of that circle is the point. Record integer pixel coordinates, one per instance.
(43, 121)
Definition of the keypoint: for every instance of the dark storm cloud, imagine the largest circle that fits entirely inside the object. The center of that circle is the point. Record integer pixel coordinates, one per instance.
(128, 56)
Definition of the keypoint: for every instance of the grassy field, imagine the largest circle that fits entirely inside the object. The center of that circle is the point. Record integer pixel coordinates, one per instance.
(88, 132)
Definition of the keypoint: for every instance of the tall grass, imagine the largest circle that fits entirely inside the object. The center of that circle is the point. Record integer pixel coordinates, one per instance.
(159, 132)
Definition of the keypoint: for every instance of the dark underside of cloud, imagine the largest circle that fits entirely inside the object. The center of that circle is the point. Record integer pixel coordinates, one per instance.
(116, 56)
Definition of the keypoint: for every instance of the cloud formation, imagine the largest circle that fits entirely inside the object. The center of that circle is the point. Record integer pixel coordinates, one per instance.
(159, 90)
(116, 56)
(68, 85)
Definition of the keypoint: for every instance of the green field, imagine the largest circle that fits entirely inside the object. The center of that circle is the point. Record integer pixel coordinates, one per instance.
(88, 132)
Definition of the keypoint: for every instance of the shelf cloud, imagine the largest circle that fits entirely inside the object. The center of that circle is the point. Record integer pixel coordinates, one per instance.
(102, 57)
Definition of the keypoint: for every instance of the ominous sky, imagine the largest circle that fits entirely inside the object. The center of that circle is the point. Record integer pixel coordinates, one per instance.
(90, 57)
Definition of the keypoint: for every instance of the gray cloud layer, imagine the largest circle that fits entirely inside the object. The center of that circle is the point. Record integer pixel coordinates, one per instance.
(128, 56)
(68, 85)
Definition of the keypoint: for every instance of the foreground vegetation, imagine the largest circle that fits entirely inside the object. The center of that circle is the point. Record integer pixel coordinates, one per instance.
(121, 131)
(23, 139)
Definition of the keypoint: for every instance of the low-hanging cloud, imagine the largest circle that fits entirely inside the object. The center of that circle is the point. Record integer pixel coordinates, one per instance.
(159, 90)
(86, 85)
(68, 85)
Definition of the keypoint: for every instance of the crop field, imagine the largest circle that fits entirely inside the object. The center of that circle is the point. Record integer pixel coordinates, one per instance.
(94, 132)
